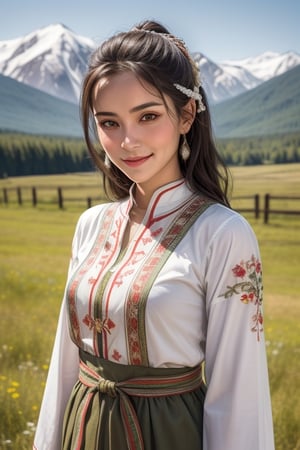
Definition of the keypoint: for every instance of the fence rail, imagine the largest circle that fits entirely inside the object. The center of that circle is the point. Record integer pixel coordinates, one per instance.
(268, 210)
(43, 195)
(59, 196)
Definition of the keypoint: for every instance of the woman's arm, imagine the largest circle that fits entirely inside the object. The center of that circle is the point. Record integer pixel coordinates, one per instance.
(237, 406)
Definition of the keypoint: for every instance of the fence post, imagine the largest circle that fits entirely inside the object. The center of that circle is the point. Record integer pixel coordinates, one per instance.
(5, 196)
(256, 203)
(89, 202)
(267, 208)
(19, 195)
(34, 196)
(60, 198)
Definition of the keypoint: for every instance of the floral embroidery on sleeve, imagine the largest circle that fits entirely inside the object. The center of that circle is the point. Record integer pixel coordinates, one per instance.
(250, 289)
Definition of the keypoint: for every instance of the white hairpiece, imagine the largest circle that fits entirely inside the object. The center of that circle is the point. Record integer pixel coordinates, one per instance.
(195, 94)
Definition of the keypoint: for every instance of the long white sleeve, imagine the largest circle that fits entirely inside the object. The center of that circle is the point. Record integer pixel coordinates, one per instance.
(63, 372)
(64, 364)
(237, 414)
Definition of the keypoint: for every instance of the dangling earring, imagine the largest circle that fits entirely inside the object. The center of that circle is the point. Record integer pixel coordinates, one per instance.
(185, 151)
(107, 162)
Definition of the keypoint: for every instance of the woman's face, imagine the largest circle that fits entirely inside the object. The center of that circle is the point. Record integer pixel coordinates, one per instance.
(139, 135)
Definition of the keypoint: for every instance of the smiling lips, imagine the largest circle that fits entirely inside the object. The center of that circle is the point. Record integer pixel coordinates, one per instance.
(135, 162)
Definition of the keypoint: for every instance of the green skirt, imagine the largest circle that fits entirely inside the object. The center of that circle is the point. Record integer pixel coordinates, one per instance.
(119, 407)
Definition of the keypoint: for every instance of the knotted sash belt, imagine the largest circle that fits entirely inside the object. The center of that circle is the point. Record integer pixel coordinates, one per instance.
(141, 387)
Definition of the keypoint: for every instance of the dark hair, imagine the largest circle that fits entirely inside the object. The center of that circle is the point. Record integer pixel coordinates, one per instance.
(160, 59)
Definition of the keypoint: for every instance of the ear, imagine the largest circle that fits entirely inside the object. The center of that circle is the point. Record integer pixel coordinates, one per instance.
(187, 116)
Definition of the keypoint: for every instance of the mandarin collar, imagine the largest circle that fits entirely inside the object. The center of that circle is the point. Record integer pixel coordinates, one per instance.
(165, 199)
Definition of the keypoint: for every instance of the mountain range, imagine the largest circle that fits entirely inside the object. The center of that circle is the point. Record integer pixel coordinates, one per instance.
(42, 74)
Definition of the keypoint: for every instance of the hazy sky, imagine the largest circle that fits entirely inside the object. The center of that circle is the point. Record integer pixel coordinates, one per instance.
(221, 29)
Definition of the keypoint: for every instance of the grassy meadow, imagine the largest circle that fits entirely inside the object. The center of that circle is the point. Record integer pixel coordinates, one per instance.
(35, 248)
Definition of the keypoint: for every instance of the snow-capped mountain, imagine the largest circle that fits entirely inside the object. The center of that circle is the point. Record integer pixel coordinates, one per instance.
(54, 60)
(267, 65)
(231, 78)
(222, 82)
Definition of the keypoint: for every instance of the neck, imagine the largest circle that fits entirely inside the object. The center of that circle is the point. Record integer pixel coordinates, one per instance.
(142, 195)
(141, 199)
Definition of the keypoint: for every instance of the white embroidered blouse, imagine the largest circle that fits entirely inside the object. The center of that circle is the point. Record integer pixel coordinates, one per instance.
(170, 299)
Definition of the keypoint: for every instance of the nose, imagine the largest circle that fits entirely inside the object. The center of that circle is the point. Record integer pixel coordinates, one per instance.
(129, 142)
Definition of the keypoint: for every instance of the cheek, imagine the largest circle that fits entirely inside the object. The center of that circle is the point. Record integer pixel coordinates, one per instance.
(106, 141)
(167, 135)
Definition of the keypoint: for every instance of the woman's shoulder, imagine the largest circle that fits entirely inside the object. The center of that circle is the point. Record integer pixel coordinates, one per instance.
(221, 219)
(221, 231)
(92, 217)
(220, 212)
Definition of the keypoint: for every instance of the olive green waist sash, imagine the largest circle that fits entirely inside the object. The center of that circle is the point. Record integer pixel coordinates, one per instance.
(145, 386)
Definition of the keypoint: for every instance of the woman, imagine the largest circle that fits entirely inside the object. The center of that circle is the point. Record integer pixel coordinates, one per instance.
(162, 280)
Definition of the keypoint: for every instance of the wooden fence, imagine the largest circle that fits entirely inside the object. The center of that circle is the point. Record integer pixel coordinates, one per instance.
(59, 196)
(268, 210)
(280, 205)
(43, 195)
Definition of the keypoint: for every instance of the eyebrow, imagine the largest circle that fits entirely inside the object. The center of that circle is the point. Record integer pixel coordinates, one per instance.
(132, 110)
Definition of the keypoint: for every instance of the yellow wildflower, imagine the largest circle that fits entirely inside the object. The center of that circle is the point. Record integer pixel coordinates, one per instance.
(15, 395)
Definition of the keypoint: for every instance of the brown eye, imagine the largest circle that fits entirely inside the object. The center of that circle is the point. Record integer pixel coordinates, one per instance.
(108, 124)
(148, 117)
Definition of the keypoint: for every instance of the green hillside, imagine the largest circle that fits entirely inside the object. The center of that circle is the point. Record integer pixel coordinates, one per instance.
(29, 110)
(271, 108)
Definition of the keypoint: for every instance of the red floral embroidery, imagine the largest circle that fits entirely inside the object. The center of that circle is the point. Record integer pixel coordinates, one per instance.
(250, 288)
(116, 355)
(246, 298)
(107, 245)
(146, 240)
(157, 232)
(91, 259)
(239, 271)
